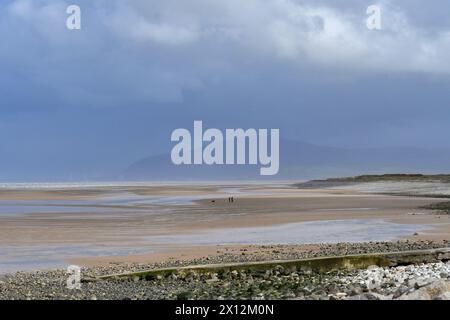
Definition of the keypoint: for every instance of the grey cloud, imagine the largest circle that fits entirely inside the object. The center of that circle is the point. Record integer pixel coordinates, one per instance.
(163, 48)
(112, 92)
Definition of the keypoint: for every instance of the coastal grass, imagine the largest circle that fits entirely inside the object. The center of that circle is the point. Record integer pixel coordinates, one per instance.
(390, 177)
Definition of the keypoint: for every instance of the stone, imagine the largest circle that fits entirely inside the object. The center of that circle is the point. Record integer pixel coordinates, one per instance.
(358, 297)
(418, 283)
(400, 291)
(434, 290)
(444, 296)
(368, 296)
(356, 291)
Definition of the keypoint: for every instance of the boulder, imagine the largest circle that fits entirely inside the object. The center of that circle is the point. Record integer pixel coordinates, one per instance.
(436, 290)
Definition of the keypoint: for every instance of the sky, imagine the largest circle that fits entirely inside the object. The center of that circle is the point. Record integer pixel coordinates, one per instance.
(85, 104)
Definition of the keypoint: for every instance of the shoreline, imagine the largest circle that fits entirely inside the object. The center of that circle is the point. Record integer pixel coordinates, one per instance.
(137, 224)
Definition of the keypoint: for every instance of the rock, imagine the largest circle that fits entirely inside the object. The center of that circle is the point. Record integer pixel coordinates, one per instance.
(444, 296)
(212, 279)
(378, 296)
(357, 297)
(209, 281)
(435, 290)
(400, 291)
(420, 282)
(356, 290)
(368, 296)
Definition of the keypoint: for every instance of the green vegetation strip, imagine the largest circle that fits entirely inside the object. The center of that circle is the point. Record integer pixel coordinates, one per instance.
(323, 264)
(335, 182)
(393, 177)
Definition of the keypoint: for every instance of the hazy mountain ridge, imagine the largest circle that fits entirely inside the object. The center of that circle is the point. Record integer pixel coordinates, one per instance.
(300, 160)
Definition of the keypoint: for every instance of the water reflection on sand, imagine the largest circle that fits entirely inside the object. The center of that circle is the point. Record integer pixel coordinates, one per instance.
(299, 233)
(42, 228)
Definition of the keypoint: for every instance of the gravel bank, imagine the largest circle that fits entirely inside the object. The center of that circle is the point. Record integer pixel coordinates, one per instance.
(277, 283)
(424, 281)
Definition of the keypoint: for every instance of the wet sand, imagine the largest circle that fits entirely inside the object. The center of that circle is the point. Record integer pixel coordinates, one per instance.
(102, 224)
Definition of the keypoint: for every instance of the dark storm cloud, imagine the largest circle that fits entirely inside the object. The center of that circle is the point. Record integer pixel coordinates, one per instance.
(96, 99)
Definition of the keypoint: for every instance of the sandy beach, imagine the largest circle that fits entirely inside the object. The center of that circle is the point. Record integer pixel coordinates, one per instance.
(133, 227)
(52, 226)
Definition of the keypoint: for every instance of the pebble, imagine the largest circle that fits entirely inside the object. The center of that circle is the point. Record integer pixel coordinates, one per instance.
(404, 282)
(375, 283)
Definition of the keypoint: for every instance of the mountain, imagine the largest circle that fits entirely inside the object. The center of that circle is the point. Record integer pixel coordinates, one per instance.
(301, 160)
